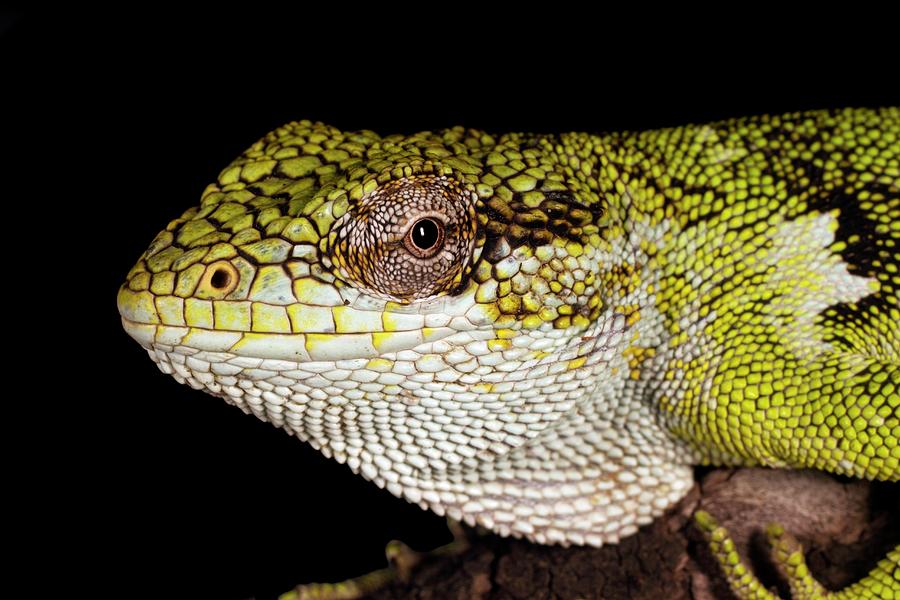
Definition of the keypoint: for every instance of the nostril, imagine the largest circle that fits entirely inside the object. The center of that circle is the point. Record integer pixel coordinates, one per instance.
(220, 278)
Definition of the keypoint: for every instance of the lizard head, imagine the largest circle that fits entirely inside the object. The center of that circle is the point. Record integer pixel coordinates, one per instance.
(407, 304)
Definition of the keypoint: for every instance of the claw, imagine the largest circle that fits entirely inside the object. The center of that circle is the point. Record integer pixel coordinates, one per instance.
(402, 560)
(344, 590)
(742, 581)
(883, 582)
(788, 555)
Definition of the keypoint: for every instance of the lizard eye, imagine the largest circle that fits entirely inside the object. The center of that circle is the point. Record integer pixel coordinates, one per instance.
(425, 238)
(410, 239)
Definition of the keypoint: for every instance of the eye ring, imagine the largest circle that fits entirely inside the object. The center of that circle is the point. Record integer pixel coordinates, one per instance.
(425, 237)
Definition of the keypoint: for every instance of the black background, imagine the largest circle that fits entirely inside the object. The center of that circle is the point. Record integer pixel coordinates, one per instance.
(138, 485)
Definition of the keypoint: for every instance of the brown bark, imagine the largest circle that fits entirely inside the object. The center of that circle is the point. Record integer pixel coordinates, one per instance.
(844, 526)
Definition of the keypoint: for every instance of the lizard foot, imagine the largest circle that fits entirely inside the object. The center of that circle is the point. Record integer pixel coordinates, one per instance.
(401, 561)
(882, 582)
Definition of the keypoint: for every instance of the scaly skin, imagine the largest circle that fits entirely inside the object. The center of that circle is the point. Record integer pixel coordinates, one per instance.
(601, 313)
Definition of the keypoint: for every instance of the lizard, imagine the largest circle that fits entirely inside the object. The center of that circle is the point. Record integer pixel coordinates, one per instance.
(543, 334)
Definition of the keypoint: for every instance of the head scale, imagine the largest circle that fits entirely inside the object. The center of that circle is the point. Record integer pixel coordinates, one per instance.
(437, 291)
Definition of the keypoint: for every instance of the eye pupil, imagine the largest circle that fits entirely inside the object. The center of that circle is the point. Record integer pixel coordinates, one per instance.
(425, 234)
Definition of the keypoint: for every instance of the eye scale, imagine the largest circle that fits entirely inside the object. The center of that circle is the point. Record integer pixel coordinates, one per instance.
(542, 334)
(383, 243)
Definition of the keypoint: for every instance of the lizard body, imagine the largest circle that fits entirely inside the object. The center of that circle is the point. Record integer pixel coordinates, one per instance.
(541, 334)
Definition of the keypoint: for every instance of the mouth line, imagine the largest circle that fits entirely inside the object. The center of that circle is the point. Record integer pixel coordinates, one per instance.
(296, 347)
